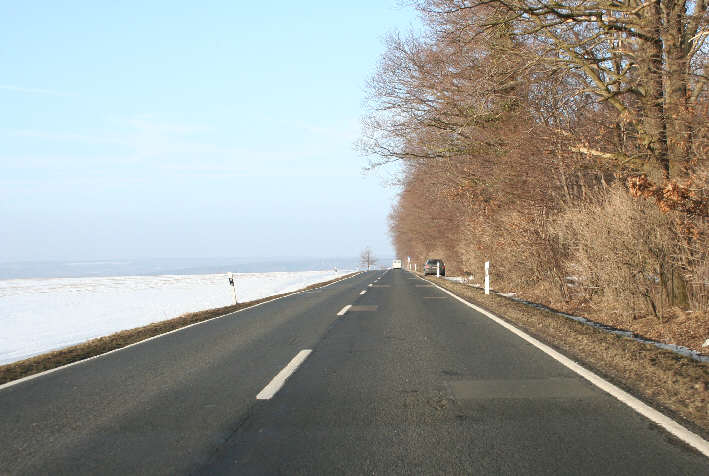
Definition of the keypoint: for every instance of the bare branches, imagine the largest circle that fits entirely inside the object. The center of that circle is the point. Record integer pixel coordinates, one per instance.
(367, 258)
(511, 117)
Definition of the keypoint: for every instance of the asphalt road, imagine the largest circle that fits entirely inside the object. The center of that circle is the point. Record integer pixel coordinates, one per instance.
(407, 381)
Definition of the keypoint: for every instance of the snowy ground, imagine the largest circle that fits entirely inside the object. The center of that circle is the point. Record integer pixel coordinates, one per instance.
(39, 315)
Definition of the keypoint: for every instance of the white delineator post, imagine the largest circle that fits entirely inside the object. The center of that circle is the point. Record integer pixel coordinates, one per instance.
(438, 269)
(233, 285)
(414, 267)
(408, 258)
(487, 277)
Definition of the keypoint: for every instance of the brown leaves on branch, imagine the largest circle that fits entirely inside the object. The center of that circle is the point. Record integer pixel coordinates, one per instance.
(685, 197)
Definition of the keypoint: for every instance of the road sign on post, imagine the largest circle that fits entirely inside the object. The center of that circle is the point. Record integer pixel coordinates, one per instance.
(487, 277)
(232, 283)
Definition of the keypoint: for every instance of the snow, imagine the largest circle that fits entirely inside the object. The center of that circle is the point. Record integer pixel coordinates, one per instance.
(39, 315)
(462, 279)
(630, 335)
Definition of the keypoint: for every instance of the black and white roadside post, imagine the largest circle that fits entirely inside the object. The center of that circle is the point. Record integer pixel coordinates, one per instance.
(438, 269)
(487, 277)
(232, 284)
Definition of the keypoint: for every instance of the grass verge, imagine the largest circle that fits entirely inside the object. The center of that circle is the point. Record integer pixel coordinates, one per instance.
(677, 385)
(101, 345)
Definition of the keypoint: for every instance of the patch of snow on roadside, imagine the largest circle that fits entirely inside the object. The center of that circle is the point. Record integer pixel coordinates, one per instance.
(39, 315)
(678, 349)
(462, 279)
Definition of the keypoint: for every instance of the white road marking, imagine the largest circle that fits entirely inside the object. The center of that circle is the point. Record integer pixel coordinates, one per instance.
(371, 285)
(144, 341)
(647, 411)
(275, 385)
(363, 292)
(344, 310)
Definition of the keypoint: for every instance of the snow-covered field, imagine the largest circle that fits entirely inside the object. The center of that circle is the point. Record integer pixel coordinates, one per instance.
(39, 315)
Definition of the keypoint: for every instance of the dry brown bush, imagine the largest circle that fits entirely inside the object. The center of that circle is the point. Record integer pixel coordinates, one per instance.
(621, 253)
(523, 255)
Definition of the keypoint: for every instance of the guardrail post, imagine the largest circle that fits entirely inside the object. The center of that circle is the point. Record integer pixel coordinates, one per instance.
(487, 277)
(232, 283)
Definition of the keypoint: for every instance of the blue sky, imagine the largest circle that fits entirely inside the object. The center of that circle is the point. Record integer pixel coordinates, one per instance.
(189, 129)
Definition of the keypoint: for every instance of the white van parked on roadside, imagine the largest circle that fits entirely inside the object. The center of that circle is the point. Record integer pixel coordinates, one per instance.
(396, 264)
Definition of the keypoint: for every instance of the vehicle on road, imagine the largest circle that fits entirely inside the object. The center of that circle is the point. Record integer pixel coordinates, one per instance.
(396, 264)
(433, 265)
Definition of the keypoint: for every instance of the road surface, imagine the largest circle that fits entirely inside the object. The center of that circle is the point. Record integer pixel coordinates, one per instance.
(407, 380)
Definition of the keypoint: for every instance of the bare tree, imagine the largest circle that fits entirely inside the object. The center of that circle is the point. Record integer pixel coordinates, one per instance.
(367, 258)
(646, 59)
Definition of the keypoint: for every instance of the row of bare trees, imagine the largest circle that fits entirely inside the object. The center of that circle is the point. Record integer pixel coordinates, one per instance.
(565, 141)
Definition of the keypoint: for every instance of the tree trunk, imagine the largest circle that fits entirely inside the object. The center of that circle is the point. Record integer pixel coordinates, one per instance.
(653, 128)
(677, 49)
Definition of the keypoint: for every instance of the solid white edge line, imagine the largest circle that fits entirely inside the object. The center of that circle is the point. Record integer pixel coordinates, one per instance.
(689, 437)
(344, 310)
(40, 374)
(277, 382)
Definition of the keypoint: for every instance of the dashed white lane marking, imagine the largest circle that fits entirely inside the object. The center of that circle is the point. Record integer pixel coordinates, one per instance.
(344, 310)
(363, 292)
(275, 385)
(174, 331)
(371, 285)
(647, 411)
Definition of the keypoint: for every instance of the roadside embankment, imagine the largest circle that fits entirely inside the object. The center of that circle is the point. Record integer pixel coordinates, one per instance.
(102, 345)
(676, 384)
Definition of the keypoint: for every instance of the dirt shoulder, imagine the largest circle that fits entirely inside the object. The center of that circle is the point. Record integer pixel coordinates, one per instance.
(101, 345)
(678, 327)
(677, 385)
